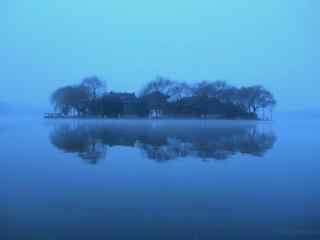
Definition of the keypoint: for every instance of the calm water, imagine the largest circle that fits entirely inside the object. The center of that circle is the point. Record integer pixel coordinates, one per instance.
(159, 180)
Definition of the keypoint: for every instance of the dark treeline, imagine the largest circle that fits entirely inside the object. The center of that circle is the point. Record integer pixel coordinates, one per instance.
(164, 97)
(163, 142)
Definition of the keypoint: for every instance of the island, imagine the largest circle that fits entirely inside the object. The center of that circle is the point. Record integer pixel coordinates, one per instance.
(163, 98)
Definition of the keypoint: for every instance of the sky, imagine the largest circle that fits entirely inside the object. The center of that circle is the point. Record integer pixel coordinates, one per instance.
(48, 44)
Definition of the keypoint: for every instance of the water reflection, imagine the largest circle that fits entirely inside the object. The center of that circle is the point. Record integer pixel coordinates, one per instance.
(163, 141)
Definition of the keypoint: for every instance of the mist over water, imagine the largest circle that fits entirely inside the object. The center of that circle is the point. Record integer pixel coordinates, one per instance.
(190, 179)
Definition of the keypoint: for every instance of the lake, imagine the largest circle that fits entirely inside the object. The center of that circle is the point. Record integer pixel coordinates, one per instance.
(160, 179)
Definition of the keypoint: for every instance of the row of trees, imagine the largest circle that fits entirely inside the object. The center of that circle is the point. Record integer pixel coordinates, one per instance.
(164, 97)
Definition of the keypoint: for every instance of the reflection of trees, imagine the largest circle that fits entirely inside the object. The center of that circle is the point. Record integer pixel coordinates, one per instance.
(164, 142)
(80, 140)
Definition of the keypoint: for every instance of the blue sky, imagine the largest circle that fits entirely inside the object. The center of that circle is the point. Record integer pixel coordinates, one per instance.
(47, 44)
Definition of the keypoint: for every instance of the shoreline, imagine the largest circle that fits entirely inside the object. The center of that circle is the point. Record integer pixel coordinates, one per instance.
(160, 118)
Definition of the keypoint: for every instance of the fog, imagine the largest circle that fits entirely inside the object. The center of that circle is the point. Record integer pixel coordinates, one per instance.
(48, 44)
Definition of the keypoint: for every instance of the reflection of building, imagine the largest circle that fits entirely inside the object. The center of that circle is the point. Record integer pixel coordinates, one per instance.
(155, 113)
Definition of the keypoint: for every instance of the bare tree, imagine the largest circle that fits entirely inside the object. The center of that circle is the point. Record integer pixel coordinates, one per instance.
(95, 86)
(255, 98)
(160, 84)
(210, 89)
(173, 89)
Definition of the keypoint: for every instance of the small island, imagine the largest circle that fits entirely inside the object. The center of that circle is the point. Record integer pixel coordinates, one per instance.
(163, 98)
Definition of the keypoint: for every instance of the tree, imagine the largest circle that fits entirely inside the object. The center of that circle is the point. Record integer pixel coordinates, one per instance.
(95, 86)
(210, 89)
(255, 98)
(156, 102)
(160, 84)
(193, 106)
(179, 90)
(173, 89)
(60, 100)
(80, 98)
(71, 98)
(267, 102)
(165, 86)
(163, 95)
(111, 106)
